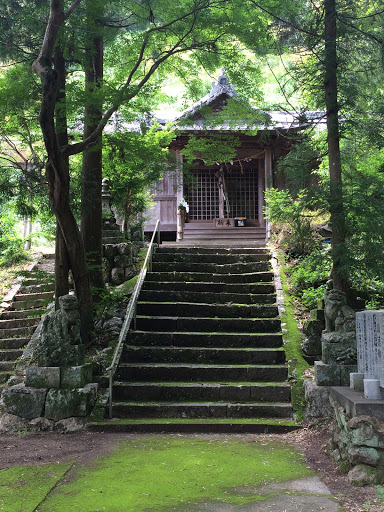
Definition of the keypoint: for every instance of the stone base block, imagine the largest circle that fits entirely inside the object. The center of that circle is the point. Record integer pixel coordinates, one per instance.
(356, 381)
(76, 376)
(42, 376)
(24, 401)
(333, 374)
(372, 389)
(65, 403)
(333, 353)
(317, 401)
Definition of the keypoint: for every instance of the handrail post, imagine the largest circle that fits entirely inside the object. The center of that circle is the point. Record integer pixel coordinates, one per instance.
(158, 234)
(150, 260)
(110, 393)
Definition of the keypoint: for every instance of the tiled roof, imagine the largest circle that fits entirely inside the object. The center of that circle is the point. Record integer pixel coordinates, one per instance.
(188, 120)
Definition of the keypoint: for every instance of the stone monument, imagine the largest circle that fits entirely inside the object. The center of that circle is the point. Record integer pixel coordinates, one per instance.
(370, 346)
(338, 342)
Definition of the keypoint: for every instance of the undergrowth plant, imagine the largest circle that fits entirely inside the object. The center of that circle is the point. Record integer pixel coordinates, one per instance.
(11, 244)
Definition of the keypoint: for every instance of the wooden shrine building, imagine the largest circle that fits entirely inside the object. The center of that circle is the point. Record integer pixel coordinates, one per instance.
(226, 199)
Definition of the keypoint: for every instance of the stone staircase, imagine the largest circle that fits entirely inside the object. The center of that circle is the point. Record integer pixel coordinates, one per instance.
(206, 354)
(22, 315)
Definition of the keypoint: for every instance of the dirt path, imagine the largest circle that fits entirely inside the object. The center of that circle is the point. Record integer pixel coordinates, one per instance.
(82, 448)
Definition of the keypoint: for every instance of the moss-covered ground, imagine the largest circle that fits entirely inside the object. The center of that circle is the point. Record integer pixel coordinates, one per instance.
(154, 473)
(23, 488)
(296, 362)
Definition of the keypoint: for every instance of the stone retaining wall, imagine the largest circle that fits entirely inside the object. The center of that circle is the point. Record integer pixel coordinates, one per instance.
(119, 262)
(357, 446)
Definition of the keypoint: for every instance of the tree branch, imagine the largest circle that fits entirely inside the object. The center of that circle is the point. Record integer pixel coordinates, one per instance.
(292, 25)
(72, 8)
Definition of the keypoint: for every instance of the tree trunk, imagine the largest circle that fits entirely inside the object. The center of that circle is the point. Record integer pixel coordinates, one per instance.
(61, 254)
(91, 204)
(340, 281)
(61, 267)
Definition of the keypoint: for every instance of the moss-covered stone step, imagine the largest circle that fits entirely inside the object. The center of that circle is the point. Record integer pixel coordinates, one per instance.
(39, 282)
(225, 325)
(230, 268)
(13, 342)
(201, 372)
(212, 250)
(210, 277)
(264, 289)
(37, 287)
(6, 366)
(33, 296)
(186, 309)
(10, 354)
(206, 297)
(31, 304)
(198, 355)
(195, 339)
(22, 313)
(201, 409)
(19, 332)
(218, 259)
(197, 425)
(18, 322)
(246, 391)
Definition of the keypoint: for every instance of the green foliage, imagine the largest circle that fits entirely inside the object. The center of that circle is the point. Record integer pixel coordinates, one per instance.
(299, 167)
(364, 206)
(293, 218)
(308, 275)
(311, 270)
(310, 296)
(133, 162)
(211, 149)
(11, 244)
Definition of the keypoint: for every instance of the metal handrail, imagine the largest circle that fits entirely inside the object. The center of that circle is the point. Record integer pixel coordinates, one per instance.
(131, 312)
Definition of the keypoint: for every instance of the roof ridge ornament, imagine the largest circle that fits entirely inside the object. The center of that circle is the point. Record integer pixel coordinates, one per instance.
(222, 85)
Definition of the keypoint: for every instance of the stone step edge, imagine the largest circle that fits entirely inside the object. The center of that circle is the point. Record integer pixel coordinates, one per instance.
(206, 333)
(202, 349)
(197, 366)
(31, 312)
(200, 318)
(197, 426)
(198, 403)
(208, 304)
(167, 384)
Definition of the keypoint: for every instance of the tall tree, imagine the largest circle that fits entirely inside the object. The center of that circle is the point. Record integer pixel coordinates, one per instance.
(91, 178)
(340, 279)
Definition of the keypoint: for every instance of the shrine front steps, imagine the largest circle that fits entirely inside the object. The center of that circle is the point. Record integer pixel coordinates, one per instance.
(19, 321)
(207, 352)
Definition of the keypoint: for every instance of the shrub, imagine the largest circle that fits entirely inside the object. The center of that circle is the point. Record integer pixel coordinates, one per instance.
(11, 244)
(292, 218)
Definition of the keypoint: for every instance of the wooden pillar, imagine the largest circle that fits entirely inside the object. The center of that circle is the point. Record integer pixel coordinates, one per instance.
(179, 195)
(268, 184)
(261, 187)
